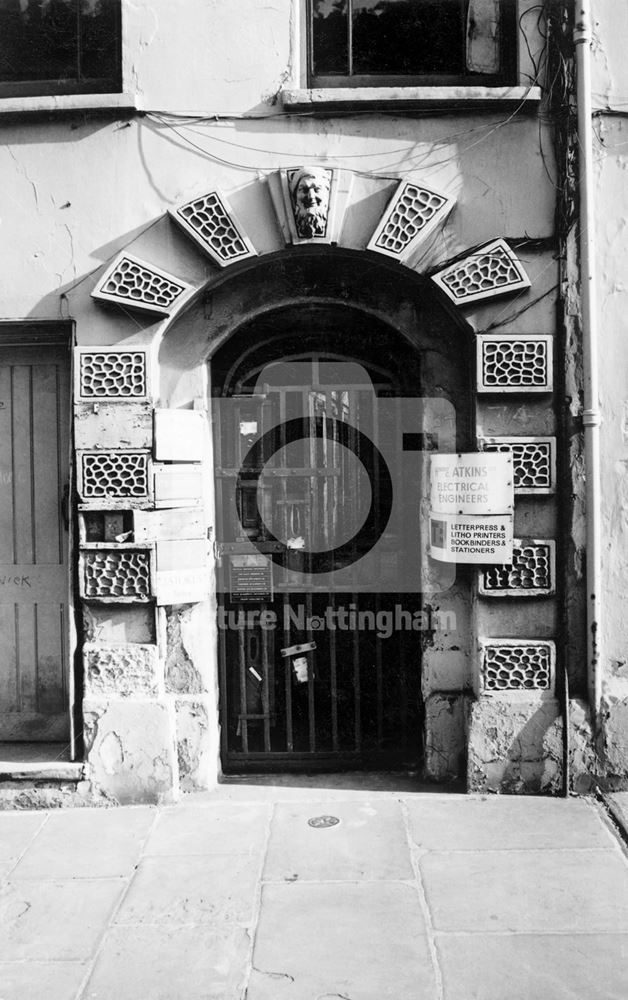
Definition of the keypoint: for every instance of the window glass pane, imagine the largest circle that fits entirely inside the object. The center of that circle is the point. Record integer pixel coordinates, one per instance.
(99, 38)
(408, 37)
(330, 22)
(38, 39)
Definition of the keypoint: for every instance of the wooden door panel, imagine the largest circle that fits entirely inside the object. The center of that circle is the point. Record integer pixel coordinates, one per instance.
(34, 413)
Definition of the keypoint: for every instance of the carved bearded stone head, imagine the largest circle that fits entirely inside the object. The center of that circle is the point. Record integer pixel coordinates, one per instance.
(309, 191)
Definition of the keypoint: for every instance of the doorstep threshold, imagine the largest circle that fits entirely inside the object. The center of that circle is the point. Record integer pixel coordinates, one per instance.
(39, 762)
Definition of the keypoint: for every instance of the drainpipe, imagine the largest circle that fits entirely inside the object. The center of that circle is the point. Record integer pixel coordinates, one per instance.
(591, 416)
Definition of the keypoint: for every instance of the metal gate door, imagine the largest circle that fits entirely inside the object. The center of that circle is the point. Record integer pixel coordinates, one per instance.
(312, 676)
(34, 407)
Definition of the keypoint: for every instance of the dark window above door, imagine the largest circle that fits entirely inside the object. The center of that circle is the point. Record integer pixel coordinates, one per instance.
(380, 43)
(50, 47)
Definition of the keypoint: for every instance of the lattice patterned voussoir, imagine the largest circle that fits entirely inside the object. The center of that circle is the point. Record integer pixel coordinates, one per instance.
(135, 283)
(116, 575)
(514, 363)
(115, 474)
(518, 665)
(411, 215)
(531, 573)
(489, 271)
(211, 222)
(534, 461)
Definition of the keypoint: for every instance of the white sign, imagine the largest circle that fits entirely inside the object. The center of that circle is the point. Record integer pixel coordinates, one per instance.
(462, 538)
(185, 586)
(480, 483)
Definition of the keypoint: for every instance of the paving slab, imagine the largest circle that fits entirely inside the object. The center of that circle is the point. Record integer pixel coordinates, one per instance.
(368, 842)
(534, 967)
(365, 941)
(201, 889)
(543, 891)
(170, 963)
(61, 921)
(516, 822)
(17, 829)
(217, 828)
(52, 980)
(87, 843)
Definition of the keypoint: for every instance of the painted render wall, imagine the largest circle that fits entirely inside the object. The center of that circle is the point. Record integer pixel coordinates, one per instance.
(610, 105)
(78, 189)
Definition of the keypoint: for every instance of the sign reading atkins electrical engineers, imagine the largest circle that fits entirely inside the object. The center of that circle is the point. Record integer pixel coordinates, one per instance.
(471, 501)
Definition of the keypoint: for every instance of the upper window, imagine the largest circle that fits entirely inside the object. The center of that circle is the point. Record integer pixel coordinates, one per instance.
(374, 43)
(59, 47)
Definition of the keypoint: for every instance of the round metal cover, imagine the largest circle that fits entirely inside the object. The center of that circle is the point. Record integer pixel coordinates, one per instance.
(322, 822)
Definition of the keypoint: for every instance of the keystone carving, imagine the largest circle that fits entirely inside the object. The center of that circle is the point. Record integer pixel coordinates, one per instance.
(310, 189)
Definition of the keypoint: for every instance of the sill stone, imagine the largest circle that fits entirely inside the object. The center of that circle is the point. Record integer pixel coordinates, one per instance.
(462, 98)
(64, 103)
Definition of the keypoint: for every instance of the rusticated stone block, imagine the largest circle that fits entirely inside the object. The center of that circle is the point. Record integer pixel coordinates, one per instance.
(614, 716)
(115, 624)
(515, 746)
(195, 745)
(583, 762)
(104, 425)
(444, 736)
(131, 750)
(122, 671)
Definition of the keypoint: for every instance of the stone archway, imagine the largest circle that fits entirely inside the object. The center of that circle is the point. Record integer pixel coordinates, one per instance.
(143, 451)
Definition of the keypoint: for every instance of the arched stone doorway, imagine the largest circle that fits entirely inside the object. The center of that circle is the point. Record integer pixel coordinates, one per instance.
(363, 696)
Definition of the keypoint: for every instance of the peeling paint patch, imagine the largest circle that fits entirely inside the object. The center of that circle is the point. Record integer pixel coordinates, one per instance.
(182, 677)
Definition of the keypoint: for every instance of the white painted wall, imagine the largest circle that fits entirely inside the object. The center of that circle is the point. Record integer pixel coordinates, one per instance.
(610, 91)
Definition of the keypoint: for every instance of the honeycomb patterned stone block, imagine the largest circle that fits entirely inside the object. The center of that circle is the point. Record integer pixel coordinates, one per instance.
(413, 213)
(105, 375)
(133, 282)
(514, 364)
(531, 573)
(116, 575)
(115, 474)
(489, 271)
(518, 665)
(212, 224)
(533, 459)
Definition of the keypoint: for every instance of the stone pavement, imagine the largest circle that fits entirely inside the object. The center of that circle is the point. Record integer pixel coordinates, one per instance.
(233, 894)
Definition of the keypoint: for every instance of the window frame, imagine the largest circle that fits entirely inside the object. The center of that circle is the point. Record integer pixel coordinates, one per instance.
(74, 86)
(508, 75)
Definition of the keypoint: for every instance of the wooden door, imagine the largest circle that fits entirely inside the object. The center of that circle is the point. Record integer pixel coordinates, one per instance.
(34, 420)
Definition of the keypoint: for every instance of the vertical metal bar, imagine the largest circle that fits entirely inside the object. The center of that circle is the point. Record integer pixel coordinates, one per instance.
(311, 707)
(288, 677)
(310, 42)
(357, 709)
(333, 679)
(244, 722)
(224, 693)
(79, 47)
(265, 683)
(379, 676)
(350, 36)
(403, 687)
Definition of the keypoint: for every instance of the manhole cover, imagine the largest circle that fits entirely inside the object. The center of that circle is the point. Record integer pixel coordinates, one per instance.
(321, 822)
